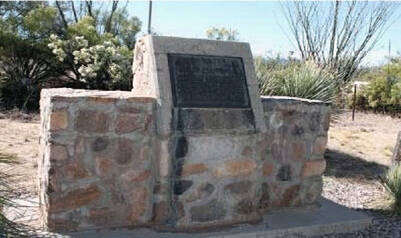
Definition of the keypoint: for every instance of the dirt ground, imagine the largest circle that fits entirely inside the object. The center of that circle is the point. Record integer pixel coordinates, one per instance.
(358, 151)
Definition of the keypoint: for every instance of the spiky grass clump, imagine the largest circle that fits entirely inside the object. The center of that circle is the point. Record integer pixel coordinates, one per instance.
(7, 192)
(392, 183)
(295, 79)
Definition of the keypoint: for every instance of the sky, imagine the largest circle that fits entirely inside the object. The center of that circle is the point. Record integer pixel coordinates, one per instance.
(260, 23)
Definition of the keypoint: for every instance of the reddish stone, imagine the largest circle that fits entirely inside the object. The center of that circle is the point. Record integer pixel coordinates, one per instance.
(135, 176)
(326, 122)
(298, 150)
(102, 166)
(58, 153)
(139, 203)
(247, 151)
(100, 216)
(58, 120)
(74, 199)
(313, 167)
(74, 171)
(235, 168)
(141, 100)
(125, 151)
(289, 196)
(267, 169)
(64, 99)
(180, 209)
(102, 100)
(128, 122)
(129, 109)
(319, 147)
(189, 169)
(91, 121)
(62, 225)
(160, 212)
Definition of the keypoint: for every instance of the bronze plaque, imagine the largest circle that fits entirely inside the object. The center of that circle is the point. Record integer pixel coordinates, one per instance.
(208, 81)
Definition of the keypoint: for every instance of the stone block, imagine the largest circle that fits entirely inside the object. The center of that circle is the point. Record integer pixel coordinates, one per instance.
(102, 216)
(313, 167)
(240, 187)
(125, 151)
(74, 199)
(59, 120)
(160, 212)
(289, 197)
(298, 150)
(202, 192)
(267, 168)
(245, 206)
(211, 211)
(135, 176)
(92, 121)
(189, 169)
(264, 201)
(74, 171)
(319, 146)
(62, 225)
(103, 166)
(284, 173)
(235, 168)
(58, 153)
(128, 122)
(139, 203)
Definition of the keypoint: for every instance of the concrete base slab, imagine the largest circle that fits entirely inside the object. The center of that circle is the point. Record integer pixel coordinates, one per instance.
(329, 218)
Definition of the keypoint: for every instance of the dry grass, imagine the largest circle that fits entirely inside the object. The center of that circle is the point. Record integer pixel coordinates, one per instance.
(358, 153)
(371, 136)
(19, 139)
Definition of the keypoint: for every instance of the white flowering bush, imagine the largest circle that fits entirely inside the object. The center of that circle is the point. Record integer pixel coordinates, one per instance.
(102, 66)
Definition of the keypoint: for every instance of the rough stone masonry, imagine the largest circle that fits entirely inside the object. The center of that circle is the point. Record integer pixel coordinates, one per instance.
(192, 146)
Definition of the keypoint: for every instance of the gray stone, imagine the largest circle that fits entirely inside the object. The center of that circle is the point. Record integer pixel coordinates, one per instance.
(239, 187)
(181, 186)
(211, 211)
(245, 206)
(207, 120)
(284, 173)
(264, 201)
(100, 144)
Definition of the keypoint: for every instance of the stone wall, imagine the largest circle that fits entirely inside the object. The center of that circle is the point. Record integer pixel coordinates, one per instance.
(294, 146)
(99, 163)
(95, 168)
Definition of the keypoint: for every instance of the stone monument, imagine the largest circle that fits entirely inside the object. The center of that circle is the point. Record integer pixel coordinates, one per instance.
(192, 146)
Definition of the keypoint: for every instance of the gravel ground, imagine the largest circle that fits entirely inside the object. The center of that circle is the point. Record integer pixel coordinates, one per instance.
(353, 194)
(362, 196)
(382, 227)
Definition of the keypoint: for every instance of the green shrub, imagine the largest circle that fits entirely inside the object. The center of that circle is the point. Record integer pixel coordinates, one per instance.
(361, 102)
(392, 183)
(382, 94)
(295, 79)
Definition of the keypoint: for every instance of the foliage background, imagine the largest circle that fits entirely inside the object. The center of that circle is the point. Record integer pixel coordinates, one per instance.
(82, 44)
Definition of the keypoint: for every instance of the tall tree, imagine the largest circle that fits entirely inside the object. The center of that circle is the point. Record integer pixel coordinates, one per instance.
(337, 35)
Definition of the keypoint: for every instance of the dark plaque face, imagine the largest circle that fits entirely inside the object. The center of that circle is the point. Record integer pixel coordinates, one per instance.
(208, 81)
